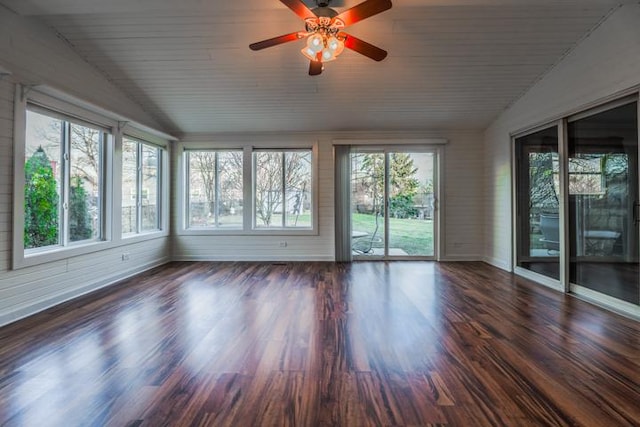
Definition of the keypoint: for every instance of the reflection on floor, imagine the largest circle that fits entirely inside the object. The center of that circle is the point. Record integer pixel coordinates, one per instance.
(321, 344)
(616, 279)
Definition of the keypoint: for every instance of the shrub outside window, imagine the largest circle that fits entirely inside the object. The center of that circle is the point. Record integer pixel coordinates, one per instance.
(64, 181)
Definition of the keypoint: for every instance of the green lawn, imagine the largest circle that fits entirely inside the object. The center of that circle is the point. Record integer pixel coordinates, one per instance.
(414, 236)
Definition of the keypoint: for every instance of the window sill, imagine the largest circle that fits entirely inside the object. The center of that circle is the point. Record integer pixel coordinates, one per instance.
(141, 237)
(44, 256)
(254, 232)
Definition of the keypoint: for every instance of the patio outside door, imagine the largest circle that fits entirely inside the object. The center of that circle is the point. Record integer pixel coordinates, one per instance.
(393, 203)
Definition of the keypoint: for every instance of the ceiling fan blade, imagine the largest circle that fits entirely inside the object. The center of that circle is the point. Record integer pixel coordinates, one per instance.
(275, 41)
(364, 48)
(363, 10)
(315, 68)
(299, 8)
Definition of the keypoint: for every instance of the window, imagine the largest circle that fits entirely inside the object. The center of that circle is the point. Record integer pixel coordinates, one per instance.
(215, 190)
(64, 187)
(246, 190)
(141, 172)
(282, 189)
(64, 180)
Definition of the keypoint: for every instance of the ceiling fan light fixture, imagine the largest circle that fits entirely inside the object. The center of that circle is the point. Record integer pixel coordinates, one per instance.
(315, 42)
(329, 47)
(335, 45)
(323, 31)
(309, 54)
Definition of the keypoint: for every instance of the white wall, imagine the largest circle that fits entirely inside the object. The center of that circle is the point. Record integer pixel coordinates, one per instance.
(603, 64)
(462, 200)
(35, 55)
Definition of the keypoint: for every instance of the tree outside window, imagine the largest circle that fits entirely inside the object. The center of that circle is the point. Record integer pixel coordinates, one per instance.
(215, 193)
(141, 173)
(282, 188)
(61, 155)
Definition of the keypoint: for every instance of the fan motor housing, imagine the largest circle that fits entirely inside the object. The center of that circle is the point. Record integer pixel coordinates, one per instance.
(325, 12)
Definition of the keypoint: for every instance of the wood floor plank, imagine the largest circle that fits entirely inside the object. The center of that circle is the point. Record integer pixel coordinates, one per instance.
(322, 344)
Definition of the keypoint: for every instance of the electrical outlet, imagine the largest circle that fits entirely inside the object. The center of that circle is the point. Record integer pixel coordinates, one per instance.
(125, 256)
(283, 244)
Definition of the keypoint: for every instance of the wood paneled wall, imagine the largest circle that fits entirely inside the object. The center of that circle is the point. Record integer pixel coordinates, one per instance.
(36, 56)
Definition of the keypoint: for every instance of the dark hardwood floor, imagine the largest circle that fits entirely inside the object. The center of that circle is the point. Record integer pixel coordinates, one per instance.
(320, 344)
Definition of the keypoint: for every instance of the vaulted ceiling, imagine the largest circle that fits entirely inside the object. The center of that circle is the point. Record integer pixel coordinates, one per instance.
(451, 64)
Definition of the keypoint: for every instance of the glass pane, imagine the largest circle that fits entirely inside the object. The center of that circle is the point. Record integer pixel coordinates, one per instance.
(215, 201)
(603, 193)
(367, 203)
(202, 184)
(538, 195)
(129, 185)
(85, 186)
(43, 180)
(268, 189)
(411, 207)
(297, 175)
(230, 189)
(149, 196)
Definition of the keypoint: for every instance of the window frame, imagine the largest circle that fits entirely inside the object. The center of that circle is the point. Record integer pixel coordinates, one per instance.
(69, 115)
(283, 154)
(62, 106)
(248, 148)
(161, 185)
(65, 165)
(187, 187)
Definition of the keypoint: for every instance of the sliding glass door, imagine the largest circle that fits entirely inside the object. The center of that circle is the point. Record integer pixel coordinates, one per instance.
(585, 238)
(368, 230)
(393, 203)
(603, 202)
(538, 203)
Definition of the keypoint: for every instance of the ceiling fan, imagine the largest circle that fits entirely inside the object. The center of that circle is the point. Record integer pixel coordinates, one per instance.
(324, 32)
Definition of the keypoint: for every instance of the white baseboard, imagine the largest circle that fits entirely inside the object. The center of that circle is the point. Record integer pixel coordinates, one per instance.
(497, 262)
(288, 258)
(461, 258)
(31, 309)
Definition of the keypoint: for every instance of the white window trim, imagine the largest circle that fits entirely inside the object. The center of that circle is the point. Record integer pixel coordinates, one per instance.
(75, 109)
(247, 178)
(281, 151)
(163, 182)
(131, 131)
(187, 188)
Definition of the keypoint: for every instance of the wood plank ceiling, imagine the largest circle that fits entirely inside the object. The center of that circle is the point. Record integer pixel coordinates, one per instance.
(452, 64)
